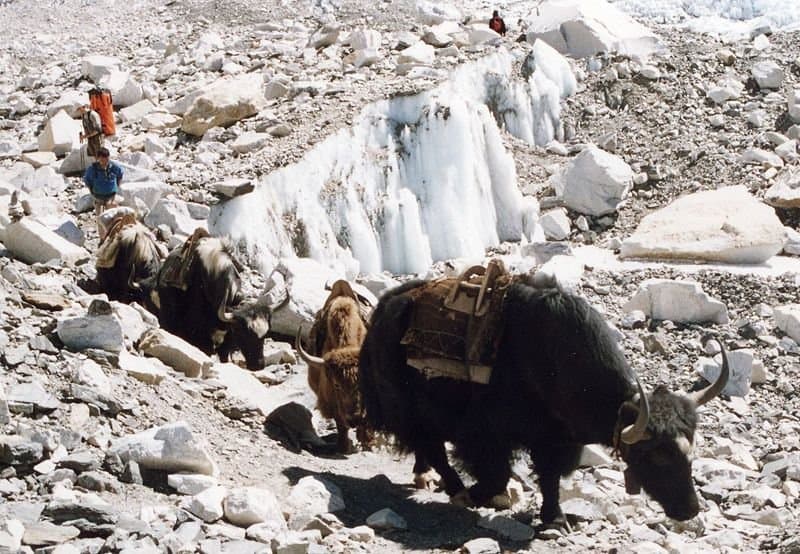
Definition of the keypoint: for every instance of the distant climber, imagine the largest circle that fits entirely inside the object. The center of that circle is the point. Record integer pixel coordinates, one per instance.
(497, 24)
(103, 178)
(92, 130)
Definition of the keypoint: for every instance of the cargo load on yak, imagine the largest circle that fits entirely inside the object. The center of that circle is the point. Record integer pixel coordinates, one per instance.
(456, 324)
(175, 270)
(115, 220)
(101, 101)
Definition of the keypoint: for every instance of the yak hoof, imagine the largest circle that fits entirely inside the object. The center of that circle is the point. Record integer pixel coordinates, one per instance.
(559, 526)
(500, 501)
(425, 481)
(463, 499)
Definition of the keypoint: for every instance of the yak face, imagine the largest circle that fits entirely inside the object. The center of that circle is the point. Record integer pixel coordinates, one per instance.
(248, 330)
(660, 462)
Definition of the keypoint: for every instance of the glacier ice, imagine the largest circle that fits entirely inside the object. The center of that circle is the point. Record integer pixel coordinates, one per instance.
(414, 180)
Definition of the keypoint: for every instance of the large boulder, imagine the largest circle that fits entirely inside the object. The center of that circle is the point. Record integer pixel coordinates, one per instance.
(136, 111)
(681, 301)
(247, 506)
(61, 134)
(417, 54)
(175, 352)
(225, 102)
(101, 331)
(125, 90)
(146, 192)
(171, 448)
(726, 225)
(787, 318)
(69, 101)
(32, 242)
(767, 74)
(595, 182)
(583, 28)
(96, 67)
(174, 213)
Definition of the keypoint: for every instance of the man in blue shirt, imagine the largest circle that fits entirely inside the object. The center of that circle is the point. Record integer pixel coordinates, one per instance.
(103, 178)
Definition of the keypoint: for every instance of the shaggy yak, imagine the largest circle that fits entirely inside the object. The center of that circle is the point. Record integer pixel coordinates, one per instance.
(209, 312)
(559, 381)
(136, 261)
(333, 377)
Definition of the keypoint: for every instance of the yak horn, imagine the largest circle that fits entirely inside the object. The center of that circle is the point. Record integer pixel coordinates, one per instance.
(224, 316)
(132, 284)
(312, 361)
(636, 432)
(702, 396)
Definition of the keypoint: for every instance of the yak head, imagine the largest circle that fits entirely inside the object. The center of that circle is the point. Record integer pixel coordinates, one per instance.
(247, 325)
(654, 436)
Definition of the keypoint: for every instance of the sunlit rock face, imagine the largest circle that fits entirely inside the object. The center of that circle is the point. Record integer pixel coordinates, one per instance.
(416, 179)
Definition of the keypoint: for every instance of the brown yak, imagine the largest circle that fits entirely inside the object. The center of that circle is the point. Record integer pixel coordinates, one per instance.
(338, 332)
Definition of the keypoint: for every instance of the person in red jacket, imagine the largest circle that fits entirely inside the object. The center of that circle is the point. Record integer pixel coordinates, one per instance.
(497, 24)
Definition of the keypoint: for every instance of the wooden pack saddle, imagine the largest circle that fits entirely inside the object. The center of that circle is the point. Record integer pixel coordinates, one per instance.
(456, 324)
(109, 247)
(176, 270)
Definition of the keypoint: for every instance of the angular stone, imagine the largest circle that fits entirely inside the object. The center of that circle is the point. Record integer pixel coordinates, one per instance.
(249, 142)
(417, 54)
(171, 448)
(60, 134)
(69, 101)
(103, 332)
(175, 352)
(11, 533)
(125, 90)
(507, 528)
(767, 74)
(30, 241)
(595, 182)
(762, 157)
(31, 398)
(556, 224)
(175, 214)
(208, 504)
(98, 481)
(481, 546)
(785, 193)
(39, 159)
(136, 111)
(724, 225)
(80, 461)
(386, 519)
(5, 414)
(224, 103)
(277, 88)
(594, 455)
(250, 505)
(232, 188)
(147, 370)
(96, 67)
(313, 496)
(680, 301)
(191, 483)
(787, 318)
(15, 450)
(44, 533)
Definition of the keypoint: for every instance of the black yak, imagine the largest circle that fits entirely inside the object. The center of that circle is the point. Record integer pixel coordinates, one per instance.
(128, 262)
(559, 381)
(206, 307)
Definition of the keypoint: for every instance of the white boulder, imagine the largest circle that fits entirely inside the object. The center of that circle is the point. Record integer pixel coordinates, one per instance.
(39, 159)
(681, 301)
(60, 134)
(364, 39)
(136, 111)
(767, 74)
(69, 101)
(728, 88)
(595, 182)
(32, 242)
(242, 386)
(583, 28)
(480, 33)
(224, 103)
(88, 372)
(742, 367)
(250, 141)
(146, 192)
(191, 483)
(207, 505)
(96, 67)
(418, 53)
(175, 352)
(556, 224)
(785, 193)
(175, 214)
(725, 225)
(125, 90)
(172, 448)
(314, 496)
(146, 370)
(787, 318)
(794, 105)
(247, 506)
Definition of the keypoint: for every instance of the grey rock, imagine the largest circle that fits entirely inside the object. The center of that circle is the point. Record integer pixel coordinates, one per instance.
(15, 450)
(31, 398)
(45, 533)
(98, 481)
(507, 528)
(131, 473)
(481, 546)
(386, 519)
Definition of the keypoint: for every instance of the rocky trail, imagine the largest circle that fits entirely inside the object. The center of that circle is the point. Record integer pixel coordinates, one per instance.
(371, 133)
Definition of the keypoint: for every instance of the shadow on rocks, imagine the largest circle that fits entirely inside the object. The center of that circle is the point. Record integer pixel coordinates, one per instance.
(431, 524)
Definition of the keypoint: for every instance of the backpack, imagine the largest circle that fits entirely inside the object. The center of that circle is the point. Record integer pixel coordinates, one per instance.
(100, 101)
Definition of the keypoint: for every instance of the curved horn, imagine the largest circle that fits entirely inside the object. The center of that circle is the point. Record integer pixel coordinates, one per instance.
(312, 361)
(223, 315)
(636, 432)
(132, 284)
(702, 396)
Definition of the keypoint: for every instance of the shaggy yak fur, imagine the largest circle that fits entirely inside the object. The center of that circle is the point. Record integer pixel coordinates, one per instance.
(334, 376)
(137, 263)
(560, 381)
(210, 313)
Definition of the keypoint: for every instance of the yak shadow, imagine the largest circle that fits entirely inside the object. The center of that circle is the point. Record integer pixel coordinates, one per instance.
(431, 524)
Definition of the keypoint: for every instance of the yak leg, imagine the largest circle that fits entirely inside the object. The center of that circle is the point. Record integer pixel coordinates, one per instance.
(551, 462)
(433, 454)
(343, 443)
(492, 470)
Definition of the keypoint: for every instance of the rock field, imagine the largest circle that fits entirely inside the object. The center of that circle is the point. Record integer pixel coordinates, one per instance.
(669, 197)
